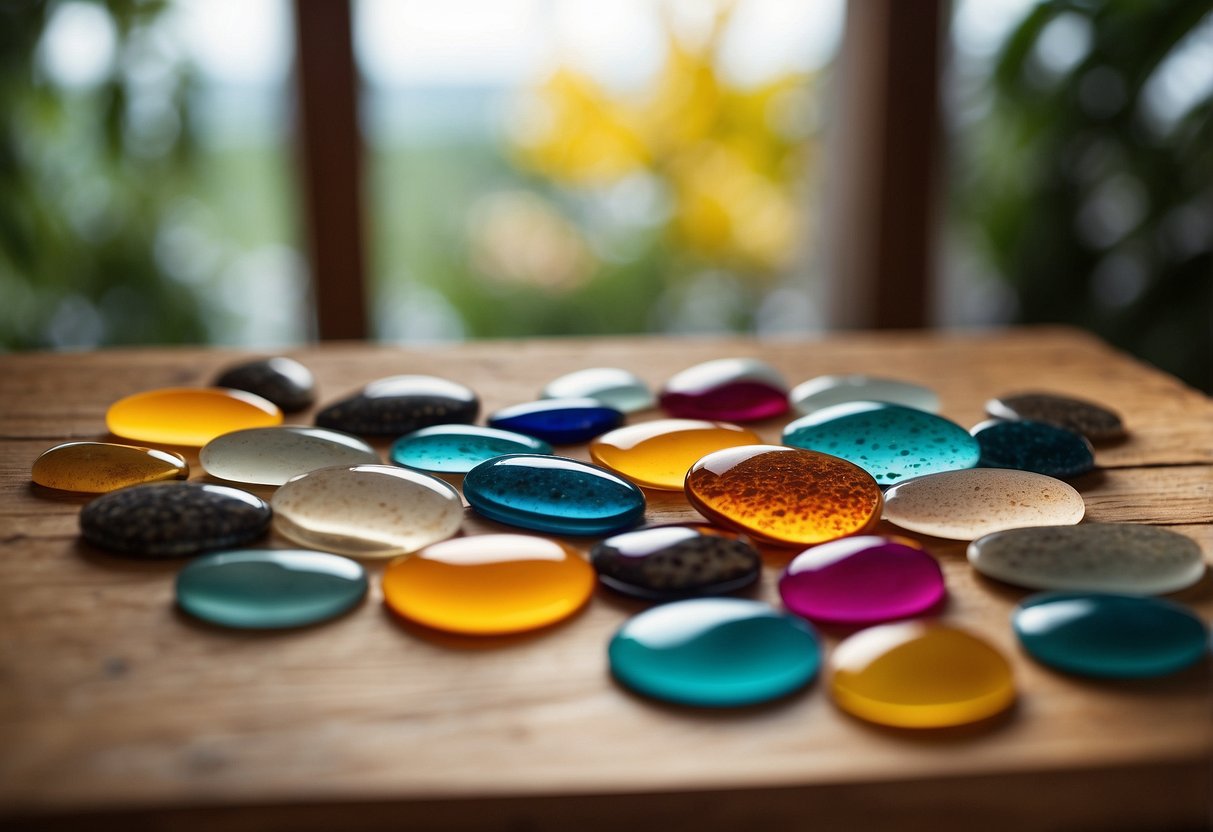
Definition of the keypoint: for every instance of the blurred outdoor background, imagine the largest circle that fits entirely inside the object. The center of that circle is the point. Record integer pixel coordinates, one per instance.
(550, 167)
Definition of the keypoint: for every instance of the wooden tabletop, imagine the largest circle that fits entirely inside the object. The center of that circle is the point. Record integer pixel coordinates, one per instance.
(113, 702)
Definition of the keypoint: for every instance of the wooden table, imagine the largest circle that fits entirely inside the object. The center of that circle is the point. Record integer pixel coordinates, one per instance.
(113, 702)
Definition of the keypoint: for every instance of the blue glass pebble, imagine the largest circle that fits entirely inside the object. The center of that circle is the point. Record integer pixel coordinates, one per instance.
(559, 421)
(553, 494)
(889, 441)
(715, 652)
(1033, 446)
(457, 449)
(269, 588)
(1108, 635)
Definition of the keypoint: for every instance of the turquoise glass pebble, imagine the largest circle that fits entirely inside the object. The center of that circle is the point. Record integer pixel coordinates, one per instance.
(1109, 635)
(715, 652)
(1034, 446)
(559, 421)
(457, 449)
(259, 589)
(553, 494)
(889, 441)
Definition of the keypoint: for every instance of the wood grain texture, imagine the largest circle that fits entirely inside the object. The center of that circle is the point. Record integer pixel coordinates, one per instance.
(113, 701)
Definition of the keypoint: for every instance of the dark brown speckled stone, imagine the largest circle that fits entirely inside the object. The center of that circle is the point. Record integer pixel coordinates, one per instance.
(166, 520)
(1094, 421)
(664, 563)
(402, 404)
(283, 381)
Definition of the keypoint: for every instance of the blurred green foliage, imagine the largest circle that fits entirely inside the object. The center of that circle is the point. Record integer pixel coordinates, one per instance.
(1091, 194)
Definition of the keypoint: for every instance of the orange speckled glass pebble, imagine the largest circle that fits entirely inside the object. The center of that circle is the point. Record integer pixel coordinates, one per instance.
(785, 496)
(190, 416)
(920, 674)
(492, 584)
(98, 467)
(658, 454)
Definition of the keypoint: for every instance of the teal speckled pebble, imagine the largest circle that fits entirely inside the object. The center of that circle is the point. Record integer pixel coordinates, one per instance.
(1034, 446)
(457, 449)
(889, 441)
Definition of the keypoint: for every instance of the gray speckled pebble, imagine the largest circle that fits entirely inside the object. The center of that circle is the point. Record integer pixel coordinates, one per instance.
(1094, 421)
(173, 519)
(283, 381)
(402, 404)
(1092, 557)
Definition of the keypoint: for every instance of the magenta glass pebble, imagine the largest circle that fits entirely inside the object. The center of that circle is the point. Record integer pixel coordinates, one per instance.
(726, 389)
(859, 581)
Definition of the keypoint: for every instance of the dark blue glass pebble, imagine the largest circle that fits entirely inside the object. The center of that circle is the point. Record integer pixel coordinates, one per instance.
(559, 421)
(553, 494)
(1108, 635)
(1033, 446)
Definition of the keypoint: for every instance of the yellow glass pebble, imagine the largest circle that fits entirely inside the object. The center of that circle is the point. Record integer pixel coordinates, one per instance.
(489, 584)
(98, 467)
(658, 454)
(920, 674)
(189, 416)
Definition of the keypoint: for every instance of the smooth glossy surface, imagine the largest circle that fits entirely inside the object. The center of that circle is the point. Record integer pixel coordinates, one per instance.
(401, 404)
(659, 454)
(784, 496)
(283, 381)
(1034, 446)
(367, 510)
(1110, 636)
(728, 390)
(963, 505)
(553, 494)
(559, 421)
(187, 415)
(489, 584)
(1094, 557)
(827, 391)
(261, 589)
(614, 387)
(890, 442)
(664, 563)
(715, 652)
(98, 467)
(862, 580)
(920, 674)
(271, 456)
(1094, 421)
(173, 519)
(457, 449)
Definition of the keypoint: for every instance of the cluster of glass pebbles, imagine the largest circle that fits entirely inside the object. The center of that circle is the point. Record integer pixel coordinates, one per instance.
(857, 581)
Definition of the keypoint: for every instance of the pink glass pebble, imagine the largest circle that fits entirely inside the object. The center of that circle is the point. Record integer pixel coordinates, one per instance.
(859, 581)
(727, 389)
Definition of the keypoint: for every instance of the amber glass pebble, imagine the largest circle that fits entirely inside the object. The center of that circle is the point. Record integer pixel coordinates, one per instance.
(491, 584)
(188, 416)
(658, 454)
(97, 467)
(782, 495)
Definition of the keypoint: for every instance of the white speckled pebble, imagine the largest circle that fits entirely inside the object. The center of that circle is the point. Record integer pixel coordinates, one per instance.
(271, 456)
(963, 505)
(1091, 557)
(827, 391)
(367, 510)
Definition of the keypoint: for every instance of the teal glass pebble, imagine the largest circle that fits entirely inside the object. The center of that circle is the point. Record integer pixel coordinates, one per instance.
(264, 589)
(889, 441)
(553, 494)
(457, 449)
(715, 652)
(1108, 635)
(1034, 446)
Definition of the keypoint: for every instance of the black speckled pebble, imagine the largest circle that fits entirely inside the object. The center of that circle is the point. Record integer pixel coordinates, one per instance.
(283, 381)
(665, 563)
(1094, 421)
(165, 520)
(1033, 446)
(402, 404)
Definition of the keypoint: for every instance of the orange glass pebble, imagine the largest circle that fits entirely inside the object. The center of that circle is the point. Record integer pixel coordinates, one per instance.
(919, 674)
(785, 496)
(98, 467)
(489, 584)
(658, 454)
(188, 415)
